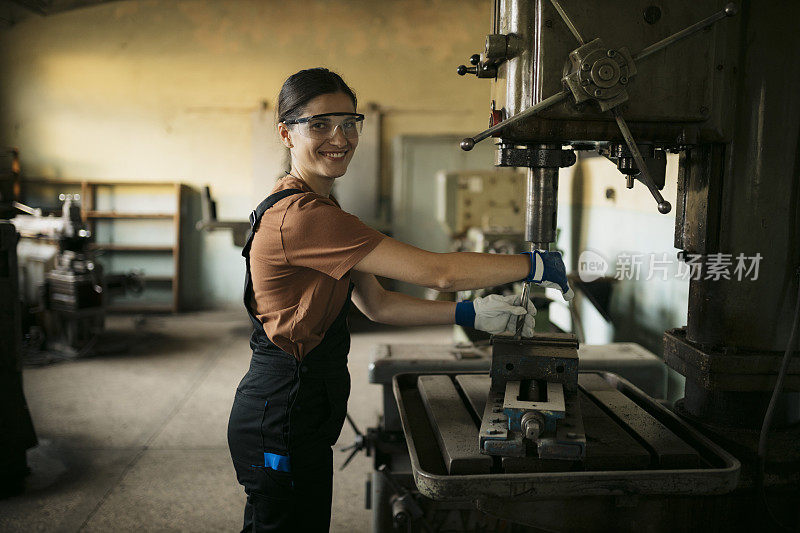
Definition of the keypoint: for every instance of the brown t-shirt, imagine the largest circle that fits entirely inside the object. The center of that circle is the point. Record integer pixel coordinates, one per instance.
(300, 262)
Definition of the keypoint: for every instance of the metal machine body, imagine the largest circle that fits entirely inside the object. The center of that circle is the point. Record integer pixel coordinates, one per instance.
(737, 180)
(672, 97)
(716, 83)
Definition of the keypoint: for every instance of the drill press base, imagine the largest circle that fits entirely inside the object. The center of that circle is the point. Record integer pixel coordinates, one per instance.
(633, 445)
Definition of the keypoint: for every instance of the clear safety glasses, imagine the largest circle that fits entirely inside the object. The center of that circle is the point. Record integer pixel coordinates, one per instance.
(323, 126)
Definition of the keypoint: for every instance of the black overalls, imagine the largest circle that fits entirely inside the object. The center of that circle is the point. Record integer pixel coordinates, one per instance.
(286, 416)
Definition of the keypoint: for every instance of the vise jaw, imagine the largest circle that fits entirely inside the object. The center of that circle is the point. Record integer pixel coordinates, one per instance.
(533, 408)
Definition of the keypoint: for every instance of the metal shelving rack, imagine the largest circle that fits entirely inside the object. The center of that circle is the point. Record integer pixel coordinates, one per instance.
(106, 206)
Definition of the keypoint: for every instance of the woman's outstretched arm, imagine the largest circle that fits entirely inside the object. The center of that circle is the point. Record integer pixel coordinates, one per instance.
(445, 272)
(494, 314)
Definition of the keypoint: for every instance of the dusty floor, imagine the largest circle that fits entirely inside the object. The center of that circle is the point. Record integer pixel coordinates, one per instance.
(137, 441)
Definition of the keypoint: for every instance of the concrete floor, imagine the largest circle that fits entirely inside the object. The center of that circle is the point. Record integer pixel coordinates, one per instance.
(137, 441)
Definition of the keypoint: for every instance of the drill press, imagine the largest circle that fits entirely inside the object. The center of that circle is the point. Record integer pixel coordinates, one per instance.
(532, 408)
(689, 78)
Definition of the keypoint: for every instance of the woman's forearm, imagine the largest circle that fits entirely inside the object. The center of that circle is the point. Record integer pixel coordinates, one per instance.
(470, 270)
(402, 310)
(446, 272)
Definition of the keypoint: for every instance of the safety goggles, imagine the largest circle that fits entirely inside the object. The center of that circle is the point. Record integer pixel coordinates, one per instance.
(323, 126)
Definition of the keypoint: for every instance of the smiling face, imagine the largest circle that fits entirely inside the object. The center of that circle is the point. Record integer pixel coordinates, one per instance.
(320, 158)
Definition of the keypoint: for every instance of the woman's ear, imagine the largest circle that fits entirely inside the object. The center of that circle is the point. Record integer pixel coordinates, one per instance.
(285, 135)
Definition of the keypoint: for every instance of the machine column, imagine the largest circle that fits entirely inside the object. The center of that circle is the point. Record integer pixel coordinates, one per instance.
(541, 204)
(541, 199)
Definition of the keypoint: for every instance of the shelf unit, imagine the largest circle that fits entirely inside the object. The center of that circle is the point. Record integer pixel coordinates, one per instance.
(135, 225)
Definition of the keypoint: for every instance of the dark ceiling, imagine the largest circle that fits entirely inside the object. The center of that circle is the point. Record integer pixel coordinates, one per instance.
(50, 7)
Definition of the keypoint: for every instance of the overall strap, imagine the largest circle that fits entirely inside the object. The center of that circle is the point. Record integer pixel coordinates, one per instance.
(258, 212)
(255, 219)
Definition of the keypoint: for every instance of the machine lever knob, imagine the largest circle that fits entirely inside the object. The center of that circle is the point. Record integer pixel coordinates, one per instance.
(664, 206)
(474, 60)
(463, 69)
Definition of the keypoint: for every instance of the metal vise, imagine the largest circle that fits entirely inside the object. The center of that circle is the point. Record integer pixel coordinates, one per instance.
(533, 408)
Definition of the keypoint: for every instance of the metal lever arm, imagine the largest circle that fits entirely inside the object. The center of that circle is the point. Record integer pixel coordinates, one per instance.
(663, 206)
(568, 21)
(728, 11)
(469, 143)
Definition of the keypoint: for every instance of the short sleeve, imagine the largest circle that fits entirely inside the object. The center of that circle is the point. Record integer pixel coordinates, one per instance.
(319, 235)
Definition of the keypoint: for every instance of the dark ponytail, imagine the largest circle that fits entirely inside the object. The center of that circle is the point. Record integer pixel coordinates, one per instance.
(304, 86)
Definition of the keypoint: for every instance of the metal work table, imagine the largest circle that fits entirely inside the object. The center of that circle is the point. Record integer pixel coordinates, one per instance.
(635, 448)
(628, 359)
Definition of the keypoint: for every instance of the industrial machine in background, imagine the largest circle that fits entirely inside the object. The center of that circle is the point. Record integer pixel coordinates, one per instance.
(53, 297)
(62, 287)
(539, 444)
(482, 211)
(65, 291)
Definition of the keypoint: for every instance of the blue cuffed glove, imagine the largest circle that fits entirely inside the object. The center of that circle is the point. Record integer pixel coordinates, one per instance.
(547, 270)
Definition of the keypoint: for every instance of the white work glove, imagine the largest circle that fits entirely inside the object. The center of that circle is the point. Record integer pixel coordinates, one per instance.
(496, 314)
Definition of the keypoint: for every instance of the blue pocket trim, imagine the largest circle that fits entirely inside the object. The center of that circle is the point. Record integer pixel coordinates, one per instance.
(277, 462)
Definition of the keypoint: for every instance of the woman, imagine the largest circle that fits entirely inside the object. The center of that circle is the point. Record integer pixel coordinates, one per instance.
(305, 258)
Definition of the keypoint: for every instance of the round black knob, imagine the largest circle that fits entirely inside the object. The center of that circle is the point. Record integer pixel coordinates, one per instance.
(475, 59)
(463, 69)
(468, 144)
(664, 207)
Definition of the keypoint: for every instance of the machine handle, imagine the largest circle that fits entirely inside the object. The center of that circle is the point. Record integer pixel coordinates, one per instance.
(664, 206)
(474, 60)
(728, 11)
(469, 143)
(463, 69)
(568, 22)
